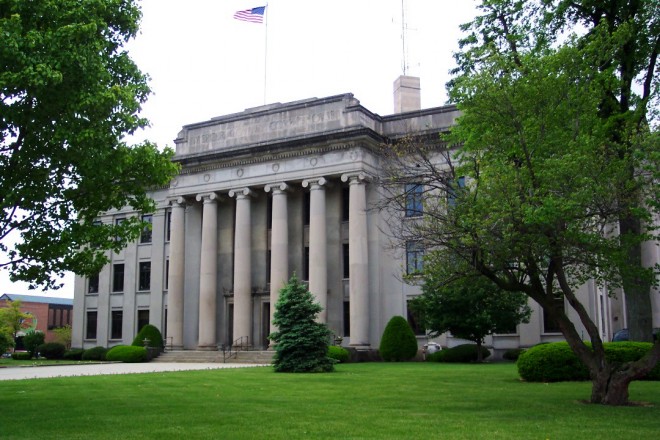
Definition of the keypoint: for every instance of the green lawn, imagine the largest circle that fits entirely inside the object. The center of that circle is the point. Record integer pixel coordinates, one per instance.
(375, 400)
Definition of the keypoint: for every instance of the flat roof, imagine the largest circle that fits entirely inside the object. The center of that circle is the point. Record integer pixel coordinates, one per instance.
(37, 299)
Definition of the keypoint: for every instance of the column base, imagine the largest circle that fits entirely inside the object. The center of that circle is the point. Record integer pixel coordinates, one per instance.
(361, 347)
(207, 347)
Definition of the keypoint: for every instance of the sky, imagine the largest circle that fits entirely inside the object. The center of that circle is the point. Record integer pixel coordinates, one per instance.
(203, 63)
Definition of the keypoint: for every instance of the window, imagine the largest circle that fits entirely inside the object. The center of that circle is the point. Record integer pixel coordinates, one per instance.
(549, 324)
(118, 277)
(346, 261)
(90, 331)
(93, 284)
(144, 275)
(414, 257)
(306, 264)
(117, 318)
(168, 227)
(269, 212)
(142, 318)
(145, 237)
(118, 222)
(414, 192)
(345, 201)
(306, 208)
(415, 321)
(58, 316)
(454, 187)
(347, 318)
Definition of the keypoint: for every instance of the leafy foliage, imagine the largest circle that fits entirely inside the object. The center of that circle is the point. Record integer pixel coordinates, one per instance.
(398, 342)
(69, 94)
(127, 353)
(63, 335)
(340, 354)
(301, 343)
(21, 356)
(460, 354)
(470, 308)
(556, 362)
(95, 354)
(51, 350)
(12, 319)
(74, 354)
(559, 157)
(151, 333)
(32, 340)
(6, 340)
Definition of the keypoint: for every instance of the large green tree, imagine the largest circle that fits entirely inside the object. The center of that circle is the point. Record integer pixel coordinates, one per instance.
(470, 307)
(69, 95)
(559, 156)
(13, 319)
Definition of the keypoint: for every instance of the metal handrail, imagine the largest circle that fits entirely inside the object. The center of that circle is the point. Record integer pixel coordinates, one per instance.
(239, 344)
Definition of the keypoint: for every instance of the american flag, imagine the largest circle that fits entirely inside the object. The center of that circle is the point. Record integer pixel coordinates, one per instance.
(254, 15)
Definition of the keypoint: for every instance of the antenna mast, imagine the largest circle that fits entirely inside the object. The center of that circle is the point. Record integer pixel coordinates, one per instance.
(404, 29)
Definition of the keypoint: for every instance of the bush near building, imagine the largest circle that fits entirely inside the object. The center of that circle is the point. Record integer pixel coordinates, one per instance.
(32, 340)
(340, 354)
(94, 354)
(463, 353)
(151, 333)
(51, 350)
(398, 342)
(127, 353)
(556, 362)
(75, 354)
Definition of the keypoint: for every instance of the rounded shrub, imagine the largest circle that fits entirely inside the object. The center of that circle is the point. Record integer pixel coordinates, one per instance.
(21, 356)
(126, 353)
(398, 342)
(556, 362)
(75, 354)
(459, 354)
(340, 354)
(553, 362)
(151, 333)
(51, 350)
(94, 354)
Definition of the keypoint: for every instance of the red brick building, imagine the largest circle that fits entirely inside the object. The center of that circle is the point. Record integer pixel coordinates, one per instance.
(47, 313)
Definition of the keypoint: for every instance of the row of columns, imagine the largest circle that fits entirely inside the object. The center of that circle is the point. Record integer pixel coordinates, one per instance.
(318, 264)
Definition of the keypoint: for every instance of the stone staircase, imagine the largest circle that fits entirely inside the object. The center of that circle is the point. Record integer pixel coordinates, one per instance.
(194, 356)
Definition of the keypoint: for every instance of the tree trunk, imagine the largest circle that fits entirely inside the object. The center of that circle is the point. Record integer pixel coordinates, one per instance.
(480, 357)
(610, 388)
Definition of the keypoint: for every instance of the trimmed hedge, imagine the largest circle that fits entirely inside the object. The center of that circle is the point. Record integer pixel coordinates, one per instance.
(95, 354)
(127, 353)
(340, 354)
(21, 356)
(32, 340)
(398, 342)
(513, 354)
(75, 354)
(51, 350)
(152, 333)
(463, 353)
(556, 362)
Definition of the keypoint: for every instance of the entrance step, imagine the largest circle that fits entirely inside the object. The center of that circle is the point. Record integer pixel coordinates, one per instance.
(194, 356)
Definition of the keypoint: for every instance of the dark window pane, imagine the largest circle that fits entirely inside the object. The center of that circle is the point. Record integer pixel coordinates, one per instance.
(414, 207)
(145, 237)
(142, 318)
(145, 276)
(90, 332)
(414, 257)
(118, 277)
(93, 284)
(117, 321)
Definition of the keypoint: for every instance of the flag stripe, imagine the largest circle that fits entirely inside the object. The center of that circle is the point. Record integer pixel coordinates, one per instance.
(254, 15)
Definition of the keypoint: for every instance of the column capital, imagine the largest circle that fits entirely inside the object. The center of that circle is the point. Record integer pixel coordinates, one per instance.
(276, 188)
(181, 201)
(315, 183)
(357, 177)
(241, 193)
(207, 197)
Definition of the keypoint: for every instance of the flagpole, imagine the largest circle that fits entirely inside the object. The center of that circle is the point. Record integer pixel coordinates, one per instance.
(265, 51)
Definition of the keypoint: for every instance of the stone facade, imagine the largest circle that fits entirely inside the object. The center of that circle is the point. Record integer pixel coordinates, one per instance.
(262, 194)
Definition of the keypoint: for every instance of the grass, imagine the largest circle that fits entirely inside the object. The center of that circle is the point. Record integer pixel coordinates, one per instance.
(8, 362)
(359, 401)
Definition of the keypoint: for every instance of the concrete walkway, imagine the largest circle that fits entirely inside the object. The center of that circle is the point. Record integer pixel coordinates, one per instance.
(17, 373)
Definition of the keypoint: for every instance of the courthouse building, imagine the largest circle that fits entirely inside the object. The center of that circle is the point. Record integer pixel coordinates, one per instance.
(265, 193)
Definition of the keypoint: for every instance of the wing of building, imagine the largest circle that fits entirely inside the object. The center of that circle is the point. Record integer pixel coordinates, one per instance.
(265, 193)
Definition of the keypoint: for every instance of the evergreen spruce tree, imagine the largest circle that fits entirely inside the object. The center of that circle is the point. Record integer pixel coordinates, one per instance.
(301, 343)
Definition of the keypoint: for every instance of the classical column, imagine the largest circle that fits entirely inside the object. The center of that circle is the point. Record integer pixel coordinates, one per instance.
(358, 255)
(318, 256)
(175, 278)
(208, 273)
(279, 245)
(242, 266)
